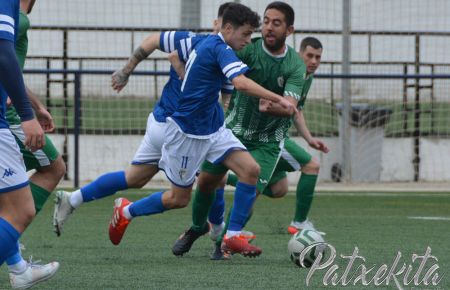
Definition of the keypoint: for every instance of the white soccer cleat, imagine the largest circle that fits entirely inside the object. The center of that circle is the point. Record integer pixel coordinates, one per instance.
(62, 211)
(34, 274)
(294, 227)
(215, 230)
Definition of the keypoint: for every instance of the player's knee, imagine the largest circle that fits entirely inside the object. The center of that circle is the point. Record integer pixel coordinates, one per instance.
(27, 214)
(59, 167)
(251, 173)
(312, 167)
(56, 169)
(180, 201)
(279, 193)
(136, 182)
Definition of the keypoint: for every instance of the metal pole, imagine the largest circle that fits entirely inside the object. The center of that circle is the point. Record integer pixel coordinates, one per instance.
(76, 129)
(65, 154)
(416, 134)
(345, 91)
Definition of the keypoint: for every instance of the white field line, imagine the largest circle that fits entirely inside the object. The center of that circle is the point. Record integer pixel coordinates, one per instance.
(430, 218)
(385, 194)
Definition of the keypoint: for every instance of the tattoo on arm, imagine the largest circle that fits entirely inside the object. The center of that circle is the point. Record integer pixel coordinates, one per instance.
(140, 54)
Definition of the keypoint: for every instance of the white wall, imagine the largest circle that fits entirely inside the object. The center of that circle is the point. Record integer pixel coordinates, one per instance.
(101, 154)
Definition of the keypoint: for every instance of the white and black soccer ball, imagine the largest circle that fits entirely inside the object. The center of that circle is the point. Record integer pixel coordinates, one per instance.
(300, 241)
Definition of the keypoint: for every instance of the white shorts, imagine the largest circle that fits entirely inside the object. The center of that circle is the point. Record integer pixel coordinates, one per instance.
(12, 168)
(182, 155)
(149, 152)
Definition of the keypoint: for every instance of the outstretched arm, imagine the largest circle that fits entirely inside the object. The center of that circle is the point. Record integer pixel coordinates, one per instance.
(120, 77)
(177, 64)
(300, 125)
(275, 109)
(249, 87)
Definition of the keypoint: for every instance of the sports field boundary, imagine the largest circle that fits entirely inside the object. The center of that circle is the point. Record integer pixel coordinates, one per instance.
(324, 187)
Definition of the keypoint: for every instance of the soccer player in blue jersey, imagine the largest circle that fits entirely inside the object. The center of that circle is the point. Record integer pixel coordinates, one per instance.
(195, 131)
(16, 202)
(145, 163)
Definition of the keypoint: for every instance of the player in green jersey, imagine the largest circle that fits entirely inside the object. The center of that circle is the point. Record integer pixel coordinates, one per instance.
(277, 67)
(294, 157)
(49, 166)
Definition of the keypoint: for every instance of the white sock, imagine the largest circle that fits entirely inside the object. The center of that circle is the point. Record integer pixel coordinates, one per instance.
(76, 199)
(18, 268)
(233, 233)
(126, 213)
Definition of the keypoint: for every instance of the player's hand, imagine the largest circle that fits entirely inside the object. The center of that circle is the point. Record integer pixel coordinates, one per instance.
(45, 119)
(8, 102)
(119, 80)
(318, 145)
(34, 136)
(265, 105)
(288, 106)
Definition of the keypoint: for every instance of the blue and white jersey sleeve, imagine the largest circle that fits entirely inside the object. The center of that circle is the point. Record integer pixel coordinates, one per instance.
(170, 40)
(229, 63)
(185, 46)
(9, 19)
(227, 88)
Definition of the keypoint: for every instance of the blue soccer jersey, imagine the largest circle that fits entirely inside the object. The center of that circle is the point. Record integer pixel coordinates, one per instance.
(9, 25)
(211, 66)
(183, 42)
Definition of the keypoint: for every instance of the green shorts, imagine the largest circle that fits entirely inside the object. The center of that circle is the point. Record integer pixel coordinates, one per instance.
(266, 155)
(293, 157)
(39, 158)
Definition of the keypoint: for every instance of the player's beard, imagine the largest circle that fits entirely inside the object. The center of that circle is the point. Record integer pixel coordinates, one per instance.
(279, 43)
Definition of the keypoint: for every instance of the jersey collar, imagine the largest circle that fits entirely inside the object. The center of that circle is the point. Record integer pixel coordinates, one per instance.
(221, 36)
(273, 55)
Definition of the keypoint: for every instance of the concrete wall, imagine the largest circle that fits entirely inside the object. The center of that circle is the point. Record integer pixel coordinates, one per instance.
(101, 154)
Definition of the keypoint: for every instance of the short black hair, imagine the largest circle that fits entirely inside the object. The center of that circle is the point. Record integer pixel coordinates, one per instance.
(310, 41)
(284, 8)
(239, 15)
(223, 7)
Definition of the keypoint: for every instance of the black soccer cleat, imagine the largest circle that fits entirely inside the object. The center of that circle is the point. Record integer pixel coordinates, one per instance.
(186, 240)
(217, 254)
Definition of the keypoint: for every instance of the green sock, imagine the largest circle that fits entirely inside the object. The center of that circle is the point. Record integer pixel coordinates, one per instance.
(40, 196)
(305, 193)
(232, 179)
(227, 222)
(200, 209)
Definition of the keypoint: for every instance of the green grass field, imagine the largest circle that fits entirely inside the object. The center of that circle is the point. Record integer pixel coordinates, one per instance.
(378, 224)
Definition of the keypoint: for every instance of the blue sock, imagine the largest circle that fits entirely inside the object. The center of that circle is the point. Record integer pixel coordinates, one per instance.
(105, 185)
(244, 196)
(15, 258)
(217, 208)
(8, 240)
(148, 205)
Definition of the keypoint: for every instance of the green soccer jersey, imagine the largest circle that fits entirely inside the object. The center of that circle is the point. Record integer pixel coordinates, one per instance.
(307, 85)
(282, 75)
(21, 51)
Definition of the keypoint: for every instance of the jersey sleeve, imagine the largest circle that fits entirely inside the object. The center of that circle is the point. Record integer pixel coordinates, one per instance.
(295, 83)
(186, 45)
(227, 88)
(8, 20)
(169, 40)
(229, 63)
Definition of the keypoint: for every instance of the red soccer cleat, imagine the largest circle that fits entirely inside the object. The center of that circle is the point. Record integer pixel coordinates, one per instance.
(119, 222)
(239, 245)
(292, 230)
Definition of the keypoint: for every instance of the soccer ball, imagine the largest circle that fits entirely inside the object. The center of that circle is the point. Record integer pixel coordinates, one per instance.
(300, 241)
